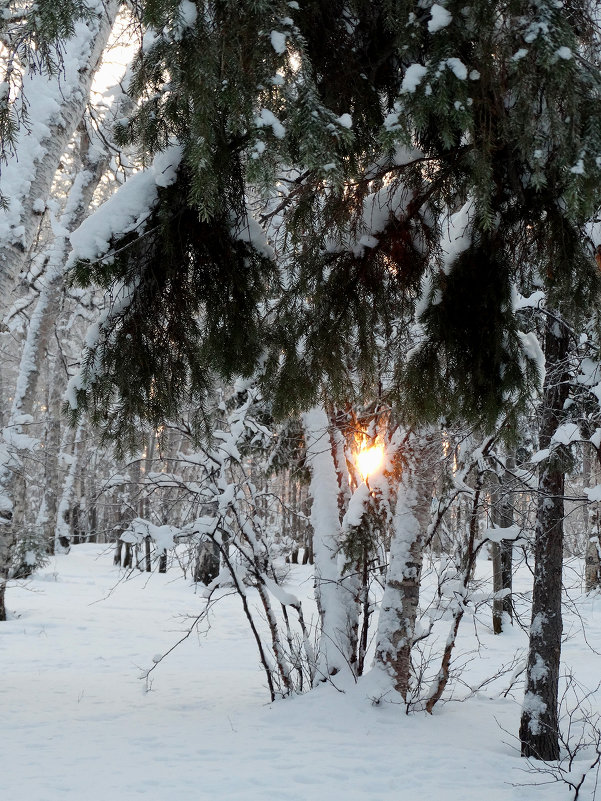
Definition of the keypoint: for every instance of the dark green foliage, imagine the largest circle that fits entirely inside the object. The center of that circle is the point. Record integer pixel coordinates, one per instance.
(194, 291)
(203, 85)
(30, 553)
(343, 120)
(346, 332)
(477, 368)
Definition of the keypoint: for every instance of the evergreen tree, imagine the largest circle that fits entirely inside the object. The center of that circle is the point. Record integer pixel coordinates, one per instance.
(356, 160)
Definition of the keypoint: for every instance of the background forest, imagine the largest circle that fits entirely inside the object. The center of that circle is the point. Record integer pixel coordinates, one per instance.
(312, 289)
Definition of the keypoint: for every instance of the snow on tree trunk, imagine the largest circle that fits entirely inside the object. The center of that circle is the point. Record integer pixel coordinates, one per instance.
(55, 106)
(206, 562)
(52, 443)
(131, 505)
(338, 608)
(539, 724)
(592, 569)
(398, 615)
(65, 507)
(502, 554)
(590, 522)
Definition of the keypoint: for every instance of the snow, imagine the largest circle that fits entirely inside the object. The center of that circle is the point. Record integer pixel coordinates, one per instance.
(533, 301)
(540, 456)
(337, 602)
(356, 507)
(536, 627)
(345, 121)
(162, 536)
(278, 42)
(457, 235)
(566, 434)
(46, 96)
(457, 67)
(414, 75)
(119, 298)
(281, 594)
(498, 534)
(188, 13)
(406, 531)
(268, 118)
(578, 168)
(535, 706)
(249, 230)
(593, 493)
(564, 53)
(539, 669)
(127, 209)
(368, 241)
(440, 18)
(533, 351)
(589, 369)
(376, 214)
(80, 723)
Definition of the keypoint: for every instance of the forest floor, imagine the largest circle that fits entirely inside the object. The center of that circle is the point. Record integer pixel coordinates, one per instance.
(79, 724)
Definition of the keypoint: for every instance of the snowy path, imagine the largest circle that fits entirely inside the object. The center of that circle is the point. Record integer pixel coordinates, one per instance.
(78, 725)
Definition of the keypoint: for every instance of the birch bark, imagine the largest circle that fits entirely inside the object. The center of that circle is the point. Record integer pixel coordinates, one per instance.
(56, 104)
(34, 350)
(398, 615)
(337, 604)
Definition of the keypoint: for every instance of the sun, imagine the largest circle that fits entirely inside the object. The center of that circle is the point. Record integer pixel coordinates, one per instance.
(370, 460)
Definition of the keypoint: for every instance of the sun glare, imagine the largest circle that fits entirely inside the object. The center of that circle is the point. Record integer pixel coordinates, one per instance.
(370, 460)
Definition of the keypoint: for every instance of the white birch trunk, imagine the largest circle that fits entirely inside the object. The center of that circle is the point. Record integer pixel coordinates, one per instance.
(62, 531)
(338, 609)
(398, 614)
(56, 106)
(34, 348)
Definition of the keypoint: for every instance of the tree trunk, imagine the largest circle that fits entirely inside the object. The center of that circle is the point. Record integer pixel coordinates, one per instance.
(67, 520)
(148, 554)
(539, 729)
(502, 553)
(128, 559)
(32, 356)
(52, 449)
(118, 553)
(592, 568)
(590, 515)
(398, 615)
(338, 609)
(60, 104)
(206, 564)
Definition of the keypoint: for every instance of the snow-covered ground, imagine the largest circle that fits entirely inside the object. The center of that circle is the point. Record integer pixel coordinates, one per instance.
(79, 725)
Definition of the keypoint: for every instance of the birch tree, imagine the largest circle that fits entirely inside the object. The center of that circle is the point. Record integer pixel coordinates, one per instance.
(55, 104)
(336, 599)
(26, 180)
(398, 614)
